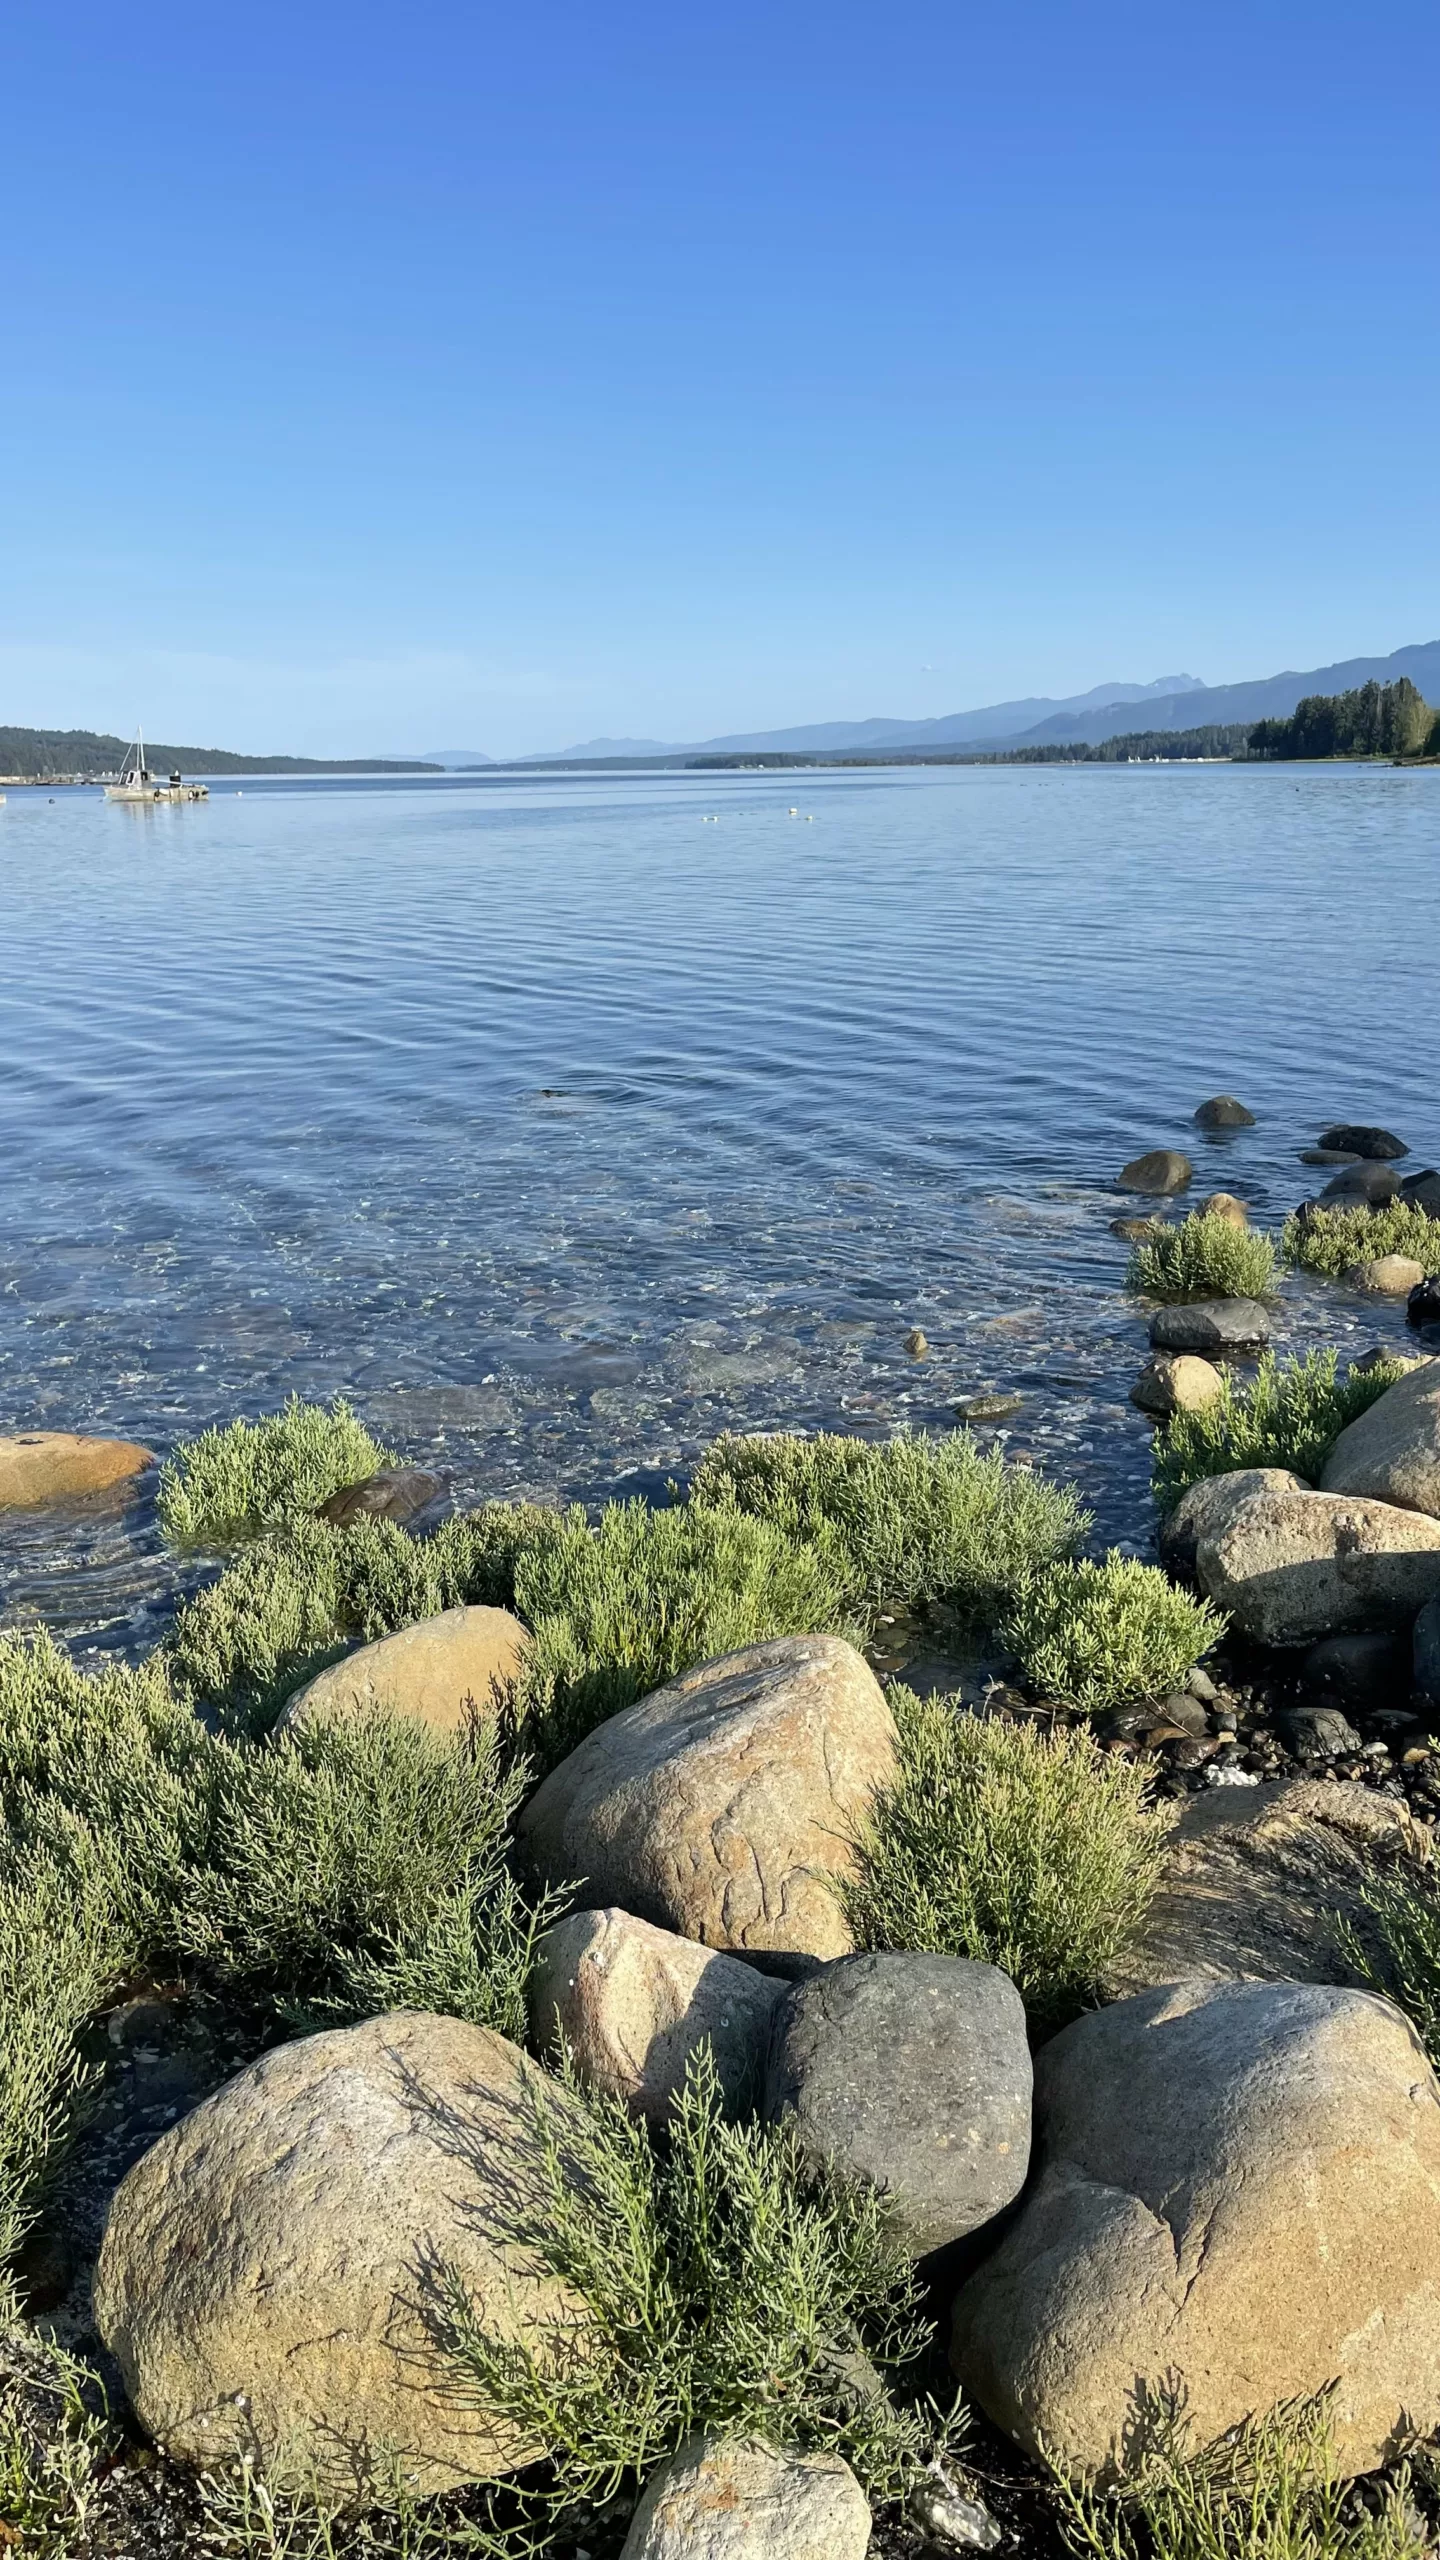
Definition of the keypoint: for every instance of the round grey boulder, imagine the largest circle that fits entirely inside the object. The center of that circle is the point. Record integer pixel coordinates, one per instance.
(1222, 1111)
(1159, 1172)
(1358, 1139)
(1211, 1325)
(1369, 1186)
(913, 2073)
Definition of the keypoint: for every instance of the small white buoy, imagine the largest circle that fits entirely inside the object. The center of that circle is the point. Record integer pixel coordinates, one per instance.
(794, 813)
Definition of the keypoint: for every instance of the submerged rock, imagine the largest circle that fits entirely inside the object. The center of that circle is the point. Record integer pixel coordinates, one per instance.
(1222, 1111)
(1223, 1204)
(725, 1805)
(723, 2499)
(268, 2275)
(1239, 2195)
(995, 1408)
(632, 2004)
(1162, 1171)
(56, 1466)
(440, 1672)
(912, 2072)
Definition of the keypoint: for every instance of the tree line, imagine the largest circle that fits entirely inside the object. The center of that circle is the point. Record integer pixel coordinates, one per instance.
(1373, 720)
(45, 755)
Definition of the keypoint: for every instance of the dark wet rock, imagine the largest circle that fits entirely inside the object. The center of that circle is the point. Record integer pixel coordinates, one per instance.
(995, 1408)
(1427, 1651)
(1134, 1230)
(1317, 1733)
(1356, 1674)
(1162, 1171)
(1422, 1190)
(1359, 1140)
(1211, 1325)
(1372, 1186)
(1184, 1713)
(392, 1493)
(1328, 1155)
(1224, 1112)
(1423, 1304)
(912, 2072)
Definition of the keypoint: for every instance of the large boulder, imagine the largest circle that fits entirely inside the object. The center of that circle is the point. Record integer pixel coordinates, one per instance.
(440, 1672)
(632, 2003)
(1239, 2194)
(726, 2499)
(1162, 1171)
(1377, 1146)
(269, 2274)
(1211, 1326)
(1205, 1506)
(57, 1466)
(1423, 1191)
(1259, 1880)
(725, 1805)
(912, 2072)
(1392, 1452)
(1369, 1186)
(1289, 1567)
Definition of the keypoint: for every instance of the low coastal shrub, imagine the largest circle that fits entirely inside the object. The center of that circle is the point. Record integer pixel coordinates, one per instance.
(1027, 1849)
(1289, 1416)
(231, 1483)
(903, 1521)
(1270, 2489)
(1405, 1967)
(1095, 1635)
(1331, 1241)
(728, 2287)
(1202, 1257)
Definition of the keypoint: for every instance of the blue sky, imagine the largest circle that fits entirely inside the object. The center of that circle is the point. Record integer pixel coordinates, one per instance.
(381, 378)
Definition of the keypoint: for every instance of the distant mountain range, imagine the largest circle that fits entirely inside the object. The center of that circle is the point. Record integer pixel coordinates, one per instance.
(1106, 711)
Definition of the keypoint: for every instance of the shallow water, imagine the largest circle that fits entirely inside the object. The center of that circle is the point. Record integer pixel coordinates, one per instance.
(562, 1123)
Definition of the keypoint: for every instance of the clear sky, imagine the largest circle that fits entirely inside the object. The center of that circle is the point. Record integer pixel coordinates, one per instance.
(450, 375)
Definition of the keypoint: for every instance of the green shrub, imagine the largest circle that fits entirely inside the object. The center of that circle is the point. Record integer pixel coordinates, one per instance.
(1289, 1416)
(1029, 1850)
(728, 2288)
(58, 2444)
(904, 1521)
(1094, 1635)
(1405, 1966)
(619, 1609)
(1270, 2489)
(1330, 1241)
(1203, 1257)
(232, 1483)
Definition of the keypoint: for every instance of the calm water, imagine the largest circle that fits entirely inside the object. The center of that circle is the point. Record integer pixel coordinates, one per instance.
(559, 1127)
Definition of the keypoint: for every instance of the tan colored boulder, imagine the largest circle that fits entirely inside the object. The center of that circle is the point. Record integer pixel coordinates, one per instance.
(268, 2271)
(56, 1466)
(1239, 2190)
(1207, 1505)
(632, 2003)
(1176, 1382)
(437, 1671)
(1392, 1452)
(1290, 1567)
(1258, 1881)
(723, 2499)
(1224, 1205)
(725, 1805)
(1392, 1275)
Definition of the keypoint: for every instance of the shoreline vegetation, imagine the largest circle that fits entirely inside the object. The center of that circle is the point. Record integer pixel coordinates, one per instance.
(486, 2001)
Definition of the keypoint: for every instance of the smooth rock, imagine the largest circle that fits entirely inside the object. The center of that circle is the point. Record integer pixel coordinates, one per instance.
(1371, 1185)
(727, 2500)
(1224, 1112)
(263, 2280)
(1207, 1505)
(1422, 1307)
(392, 1493)
(1427, 1651)
(1176, 1382)
(56, 1466)
(1358, 1140)
(1159, 1172)
(440, 1671)
(1356, 1673)
(1328, 1155)
(1289, 1567)
(1240, 2191)
(996, 1408)
(1392, 1275)
(1422, 1190)
(1257, 1879)
(1391, 1452)
(632, 2003)
(1223, 1204)
(1211, 1325)
(1317, 1733)
(913, 2073)
(724, 1805)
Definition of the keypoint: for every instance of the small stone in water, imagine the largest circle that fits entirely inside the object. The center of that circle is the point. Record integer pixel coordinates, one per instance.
(916, 1343)
(1224, 1112)
(988, 1408)
(1162, 1170)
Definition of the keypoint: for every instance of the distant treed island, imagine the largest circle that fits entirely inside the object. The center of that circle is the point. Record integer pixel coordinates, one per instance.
(86, 755)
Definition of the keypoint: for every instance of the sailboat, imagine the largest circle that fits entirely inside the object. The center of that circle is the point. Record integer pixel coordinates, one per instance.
(138, 784)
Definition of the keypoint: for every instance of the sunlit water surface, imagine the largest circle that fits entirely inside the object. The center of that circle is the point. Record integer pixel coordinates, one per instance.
(561, 1124)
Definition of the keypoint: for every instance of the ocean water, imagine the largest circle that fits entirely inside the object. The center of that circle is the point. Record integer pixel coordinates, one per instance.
(562, 1123)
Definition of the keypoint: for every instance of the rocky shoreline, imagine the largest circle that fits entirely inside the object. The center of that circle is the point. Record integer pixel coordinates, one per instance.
(756, 1948)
